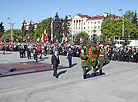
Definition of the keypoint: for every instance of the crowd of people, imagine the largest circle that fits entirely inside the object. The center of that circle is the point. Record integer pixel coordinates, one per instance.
(105, 54)
(126, 54)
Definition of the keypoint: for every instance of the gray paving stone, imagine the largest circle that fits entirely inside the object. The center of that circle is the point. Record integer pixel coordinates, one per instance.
(119, 84)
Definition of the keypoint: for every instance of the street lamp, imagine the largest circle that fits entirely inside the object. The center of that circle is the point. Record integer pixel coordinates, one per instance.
(123, 22)
(52, 24)
(11, 24)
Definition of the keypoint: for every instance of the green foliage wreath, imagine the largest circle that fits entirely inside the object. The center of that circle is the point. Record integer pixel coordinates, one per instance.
(92, 53)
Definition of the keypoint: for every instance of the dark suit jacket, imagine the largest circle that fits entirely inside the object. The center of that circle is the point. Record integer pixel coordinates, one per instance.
(55, 61)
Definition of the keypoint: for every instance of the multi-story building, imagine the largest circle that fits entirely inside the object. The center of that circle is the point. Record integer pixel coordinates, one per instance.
(89, 24)
(28, 24)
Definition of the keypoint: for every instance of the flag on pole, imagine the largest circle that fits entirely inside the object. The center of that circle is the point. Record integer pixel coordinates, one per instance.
(17, 40)
(45, 31)
(42, 37)
(106, 38)
(74, 38)
(28, 37)
(30, 40)
(80, 40)
(46, 36)
(24, 39)
(39, 36)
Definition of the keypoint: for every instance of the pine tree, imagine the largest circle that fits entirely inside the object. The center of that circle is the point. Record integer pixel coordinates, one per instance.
(113, 16)
(107, 16)
(126, 38)
(58, 28)
(1, 27)
(30, 27)
(23, 30)
(134, 20)
(65, 27)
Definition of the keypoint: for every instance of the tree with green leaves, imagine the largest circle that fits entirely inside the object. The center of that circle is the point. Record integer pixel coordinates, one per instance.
(126, 37)
(1, 29)
(65, 27)
(129, 15)
(16, 34)
(23, 30)
(44, 24)
(113, 27)
(31, 29)
(82, 35)
(58, 33)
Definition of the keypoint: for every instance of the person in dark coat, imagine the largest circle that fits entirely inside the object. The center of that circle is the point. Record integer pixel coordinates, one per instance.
(129, 53)
(69, 56)
(20, 51)
(29, 52)
(55, 63)
(36, 52)
(136, 56)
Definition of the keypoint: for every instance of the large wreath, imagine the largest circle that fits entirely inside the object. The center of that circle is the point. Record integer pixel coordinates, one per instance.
(92, 53)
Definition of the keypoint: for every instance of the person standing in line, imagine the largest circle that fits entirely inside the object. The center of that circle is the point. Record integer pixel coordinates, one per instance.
(36, 52)
(69, 56)
(20, 51)
(55, 63)
(28, 52)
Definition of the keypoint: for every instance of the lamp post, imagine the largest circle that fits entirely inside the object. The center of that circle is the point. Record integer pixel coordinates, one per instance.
(123, 22)
(52, 24)
(11, 25)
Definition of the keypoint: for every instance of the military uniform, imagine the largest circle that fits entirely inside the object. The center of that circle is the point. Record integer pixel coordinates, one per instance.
(102, 59)
(84, 64)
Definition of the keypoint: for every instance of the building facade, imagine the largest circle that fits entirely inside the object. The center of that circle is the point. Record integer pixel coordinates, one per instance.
(89, 24)
(28, 24)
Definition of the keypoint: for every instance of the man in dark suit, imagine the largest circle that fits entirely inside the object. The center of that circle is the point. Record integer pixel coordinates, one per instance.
(55, 63)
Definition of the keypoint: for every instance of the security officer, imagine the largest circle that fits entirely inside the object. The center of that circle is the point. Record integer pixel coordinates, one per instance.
(36, 51)
(69, 56)
(29, 52)
(103, 60)
(84, 63)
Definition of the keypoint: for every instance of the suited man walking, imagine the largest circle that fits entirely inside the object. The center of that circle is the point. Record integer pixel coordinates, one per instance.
(55, 63)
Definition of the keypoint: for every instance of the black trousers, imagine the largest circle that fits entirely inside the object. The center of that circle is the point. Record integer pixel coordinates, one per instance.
(55, 71)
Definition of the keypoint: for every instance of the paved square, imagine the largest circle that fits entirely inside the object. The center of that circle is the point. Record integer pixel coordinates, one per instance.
(119, 84)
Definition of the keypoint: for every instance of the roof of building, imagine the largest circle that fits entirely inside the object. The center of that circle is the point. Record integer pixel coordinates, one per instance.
(24, 21)
(69, 19)
(81, 15)
(96, 17)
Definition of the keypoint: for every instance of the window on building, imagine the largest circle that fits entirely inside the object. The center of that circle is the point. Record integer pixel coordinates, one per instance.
(91, 27)
(91, 32)
(88, 32)
(91, 23)
(98, 27)
(88, 27)
(84, 23)
(94, 22)
(98, 22)
(88, 23)
(94, 27)
(84, 27)
(76, 32)
(98, 31)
